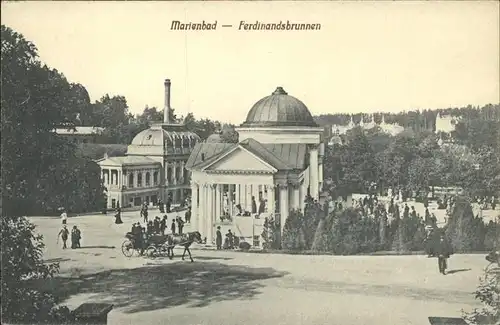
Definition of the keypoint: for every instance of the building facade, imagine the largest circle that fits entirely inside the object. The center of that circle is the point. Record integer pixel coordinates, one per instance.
(81, 134)
(278, 161)
(154, 166)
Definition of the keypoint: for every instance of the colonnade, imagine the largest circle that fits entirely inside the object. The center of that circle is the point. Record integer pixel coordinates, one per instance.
(213, 203)
(118, 177)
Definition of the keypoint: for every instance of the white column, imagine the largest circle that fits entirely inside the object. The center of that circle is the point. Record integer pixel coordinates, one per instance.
(302, 197)
(248, 189)
(202, 211)
(194, 206)
(218, 201)
(237, 198)
(320, 174)
(106, 177)
(230, 199)
(296, 197)
(284, 208)
(270, 199)
(174, 171)
(210, 214)
(313, 168)
(136, 178)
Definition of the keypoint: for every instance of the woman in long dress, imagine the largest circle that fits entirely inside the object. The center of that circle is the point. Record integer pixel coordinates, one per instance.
(118, 216)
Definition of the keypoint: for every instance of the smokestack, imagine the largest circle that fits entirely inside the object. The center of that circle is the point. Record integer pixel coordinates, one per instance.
(166, 109)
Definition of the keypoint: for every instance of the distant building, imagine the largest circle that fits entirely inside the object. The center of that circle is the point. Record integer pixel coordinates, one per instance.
(446, 123)
(81, 134)
(154, 167)
(339, 130)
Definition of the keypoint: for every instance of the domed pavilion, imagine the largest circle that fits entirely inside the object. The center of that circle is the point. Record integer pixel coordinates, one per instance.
(154, 167)
(277, 162)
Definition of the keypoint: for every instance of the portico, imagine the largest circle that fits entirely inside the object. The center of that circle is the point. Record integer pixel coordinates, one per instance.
(266, 175)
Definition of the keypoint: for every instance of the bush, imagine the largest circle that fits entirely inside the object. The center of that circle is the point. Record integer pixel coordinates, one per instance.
(465, 232)
(22, 266)
(293, 237)
(488, 292)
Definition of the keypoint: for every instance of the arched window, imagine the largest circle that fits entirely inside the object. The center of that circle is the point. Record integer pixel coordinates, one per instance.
(131, 180)
(139, 180)
(148, 179)
(169, 175)
(185, 142)
(155, 178)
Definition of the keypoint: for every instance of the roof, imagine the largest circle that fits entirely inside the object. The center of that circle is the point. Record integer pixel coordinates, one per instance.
(127, 161)
(79, 130)
(207, 152)
(215, 138)
(280, 156)
(279, 109)
(158, 136)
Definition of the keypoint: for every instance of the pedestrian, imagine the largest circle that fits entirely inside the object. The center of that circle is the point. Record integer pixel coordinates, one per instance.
(443, 250)
(187, 215)
(145, 213)
(64, 216)
(75, 237)
(169, 204)
(254, 205)
(156, 224)
(118, 215)
(64, 236)
(180, 225)
(218, 240)
(163, 224)
(172, 227)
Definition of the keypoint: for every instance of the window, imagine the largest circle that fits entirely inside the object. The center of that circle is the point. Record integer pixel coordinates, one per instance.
(155, 178)
(148, 179)
(131, 180)
(139, 180)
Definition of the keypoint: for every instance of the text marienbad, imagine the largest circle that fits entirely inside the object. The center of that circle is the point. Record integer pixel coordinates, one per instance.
(243, 25)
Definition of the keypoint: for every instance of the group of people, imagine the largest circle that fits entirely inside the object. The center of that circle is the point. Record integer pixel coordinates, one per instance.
(230, 242)
(64, 234)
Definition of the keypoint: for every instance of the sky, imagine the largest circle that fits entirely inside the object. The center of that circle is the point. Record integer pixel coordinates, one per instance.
(367, 56)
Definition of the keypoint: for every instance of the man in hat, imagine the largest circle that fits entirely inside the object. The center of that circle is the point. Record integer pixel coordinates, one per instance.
(443, 251)
(218, 240)
(64, 236)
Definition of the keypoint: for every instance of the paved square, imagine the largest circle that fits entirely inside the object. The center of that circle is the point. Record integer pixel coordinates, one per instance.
(247, 288)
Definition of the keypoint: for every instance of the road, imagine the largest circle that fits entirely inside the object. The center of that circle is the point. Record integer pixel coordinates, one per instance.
(223, 287)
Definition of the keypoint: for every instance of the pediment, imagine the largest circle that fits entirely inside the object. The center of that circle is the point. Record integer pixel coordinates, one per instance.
(241, 159)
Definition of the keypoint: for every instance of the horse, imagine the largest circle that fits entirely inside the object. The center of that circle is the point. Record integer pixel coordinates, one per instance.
(183, 240)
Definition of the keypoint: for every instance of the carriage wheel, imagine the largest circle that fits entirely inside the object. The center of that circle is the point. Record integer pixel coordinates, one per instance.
(127, 248)
(150, 251)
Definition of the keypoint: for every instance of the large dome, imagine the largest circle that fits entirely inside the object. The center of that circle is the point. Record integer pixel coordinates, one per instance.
(279, 109)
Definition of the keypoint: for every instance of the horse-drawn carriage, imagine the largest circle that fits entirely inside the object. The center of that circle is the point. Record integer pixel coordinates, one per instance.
(142, 244)
(155, 245)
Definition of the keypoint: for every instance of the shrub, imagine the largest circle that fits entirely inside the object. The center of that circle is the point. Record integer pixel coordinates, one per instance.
(488, 293)
(465, 232)
(22, 266)
(293, 237)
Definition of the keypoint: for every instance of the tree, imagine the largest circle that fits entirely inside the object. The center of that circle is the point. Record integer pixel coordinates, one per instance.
(22, 264)
(35, 100)
(293, 237)
(463, 230)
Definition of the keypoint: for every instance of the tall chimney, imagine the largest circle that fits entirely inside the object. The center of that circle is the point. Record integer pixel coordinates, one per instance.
(166, 109)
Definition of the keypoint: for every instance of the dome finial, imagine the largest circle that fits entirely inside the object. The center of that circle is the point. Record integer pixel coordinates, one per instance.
(280, 91)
